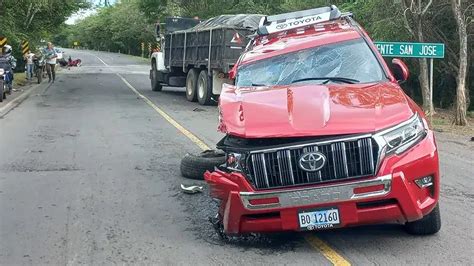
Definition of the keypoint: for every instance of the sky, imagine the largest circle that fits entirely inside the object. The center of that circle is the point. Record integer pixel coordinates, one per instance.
(85, 13)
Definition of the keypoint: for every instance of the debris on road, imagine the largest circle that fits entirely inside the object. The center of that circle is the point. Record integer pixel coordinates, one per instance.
(191, 189)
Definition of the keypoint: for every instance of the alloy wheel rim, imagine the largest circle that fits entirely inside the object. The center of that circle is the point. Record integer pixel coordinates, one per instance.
(189, 87)
(201, 88)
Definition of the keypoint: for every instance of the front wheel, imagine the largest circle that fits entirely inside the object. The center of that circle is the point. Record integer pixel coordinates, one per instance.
(155, 84)
(2, 91)
(428, 225)
(204, 88)
(39, 75)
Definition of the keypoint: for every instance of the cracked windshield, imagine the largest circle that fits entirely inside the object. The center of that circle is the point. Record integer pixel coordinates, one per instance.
(236, 132)
(351, 59)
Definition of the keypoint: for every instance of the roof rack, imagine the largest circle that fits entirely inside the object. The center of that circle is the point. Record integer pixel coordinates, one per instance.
(293, 20)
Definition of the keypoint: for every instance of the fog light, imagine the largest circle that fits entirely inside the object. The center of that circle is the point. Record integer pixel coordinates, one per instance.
(426, 181)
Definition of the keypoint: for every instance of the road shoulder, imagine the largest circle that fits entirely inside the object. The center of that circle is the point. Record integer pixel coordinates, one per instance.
(17, 97)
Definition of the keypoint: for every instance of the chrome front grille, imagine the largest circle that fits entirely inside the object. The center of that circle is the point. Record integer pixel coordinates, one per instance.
(347, 158)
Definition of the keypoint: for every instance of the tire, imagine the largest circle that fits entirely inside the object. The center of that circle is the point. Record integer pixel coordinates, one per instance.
(194, 166)
(2, 93)
(204, 88)
(155, 84)
(428, 225)
(39, 76)
(191, 85)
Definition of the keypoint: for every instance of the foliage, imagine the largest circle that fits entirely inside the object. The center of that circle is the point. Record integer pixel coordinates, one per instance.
(119, 28)
(34, 20)
(123, 26)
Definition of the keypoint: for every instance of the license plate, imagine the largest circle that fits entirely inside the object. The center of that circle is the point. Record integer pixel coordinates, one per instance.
(319, 219)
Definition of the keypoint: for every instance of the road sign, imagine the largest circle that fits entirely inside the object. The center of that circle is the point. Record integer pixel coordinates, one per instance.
(411, 49)
(3, 41)
(76, 43)
(25, 47)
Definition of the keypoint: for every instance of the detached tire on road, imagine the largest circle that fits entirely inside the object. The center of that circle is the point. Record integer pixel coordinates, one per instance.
(155, 84)
(204, 88)
(191, 85)
(194, 166)
(428, 225)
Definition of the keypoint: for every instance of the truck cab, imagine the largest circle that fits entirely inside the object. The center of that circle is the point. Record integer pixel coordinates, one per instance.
(159, 73)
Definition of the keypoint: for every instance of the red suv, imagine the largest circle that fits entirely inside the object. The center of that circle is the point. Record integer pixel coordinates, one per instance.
(320, 135)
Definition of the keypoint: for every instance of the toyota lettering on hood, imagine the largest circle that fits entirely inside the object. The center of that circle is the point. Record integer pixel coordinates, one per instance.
(312, 110)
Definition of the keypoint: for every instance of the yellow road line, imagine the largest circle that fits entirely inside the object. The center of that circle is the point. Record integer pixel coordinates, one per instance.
(314, 242)
(168, 118)
(326, 250)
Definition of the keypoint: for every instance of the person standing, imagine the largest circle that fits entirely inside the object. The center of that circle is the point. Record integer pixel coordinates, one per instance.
(29, 64)
(50, 55)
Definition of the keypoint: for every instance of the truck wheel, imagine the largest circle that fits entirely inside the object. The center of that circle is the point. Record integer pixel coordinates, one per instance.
(191, 84)
(428, 225)
(155, 84)
(194, 166)
(204, 88)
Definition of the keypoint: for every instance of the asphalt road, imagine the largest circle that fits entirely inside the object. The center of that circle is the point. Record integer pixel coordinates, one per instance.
(89, 174)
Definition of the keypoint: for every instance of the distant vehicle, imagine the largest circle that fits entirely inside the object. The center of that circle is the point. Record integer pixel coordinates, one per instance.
(199, 55)
(320, 135)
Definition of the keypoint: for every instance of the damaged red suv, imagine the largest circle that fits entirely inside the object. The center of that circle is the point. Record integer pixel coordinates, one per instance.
(320, 135)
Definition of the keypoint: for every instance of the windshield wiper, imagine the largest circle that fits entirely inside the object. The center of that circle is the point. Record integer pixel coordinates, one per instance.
(258, 85)
(340, 79)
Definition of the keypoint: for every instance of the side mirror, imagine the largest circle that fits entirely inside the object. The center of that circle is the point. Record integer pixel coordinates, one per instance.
(157, 29)
(399, 70)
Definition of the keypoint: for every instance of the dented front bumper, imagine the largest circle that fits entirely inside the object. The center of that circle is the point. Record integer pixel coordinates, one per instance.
(390, 196)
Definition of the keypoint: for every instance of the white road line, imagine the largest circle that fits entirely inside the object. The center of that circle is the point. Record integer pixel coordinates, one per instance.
(101, 60)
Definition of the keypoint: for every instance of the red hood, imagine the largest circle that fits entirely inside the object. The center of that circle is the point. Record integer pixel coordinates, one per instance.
(312, 110)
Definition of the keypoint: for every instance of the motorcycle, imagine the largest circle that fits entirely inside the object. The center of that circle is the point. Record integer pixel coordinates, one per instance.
(39, 68)
(6, 78)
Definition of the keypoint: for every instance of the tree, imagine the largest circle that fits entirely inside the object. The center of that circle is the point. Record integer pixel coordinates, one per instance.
(461, 21)
(414, 13)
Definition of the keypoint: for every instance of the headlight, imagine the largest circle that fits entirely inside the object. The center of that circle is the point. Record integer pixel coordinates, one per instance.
(404, 137)
(235, 161)
(2, 71)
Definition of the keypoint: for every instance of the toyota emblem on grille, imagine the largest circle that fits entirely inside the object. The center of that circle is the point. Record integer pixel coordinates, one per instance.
(312, 161)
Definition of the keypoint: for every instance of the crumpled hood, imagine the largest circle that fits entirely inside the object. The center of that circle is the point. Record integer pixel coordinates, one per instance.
(311, 110)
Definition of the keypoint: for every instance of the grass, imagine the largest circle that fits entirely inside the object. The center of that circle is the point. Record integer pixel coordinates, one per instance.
(20, 79)
(443, 122)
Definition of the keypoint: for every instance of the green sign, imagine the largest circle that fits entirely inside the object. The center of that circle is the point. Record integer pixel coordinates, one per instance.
(411, 49)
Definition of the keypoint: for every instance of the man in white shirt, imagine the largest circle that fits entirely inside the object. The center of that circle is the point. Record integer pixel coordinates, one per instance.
(29, 64)
(50, 55)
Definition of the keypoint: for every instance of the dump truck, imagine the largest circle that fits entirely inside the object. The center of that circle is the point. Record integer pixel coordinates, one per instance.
(199, 54)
